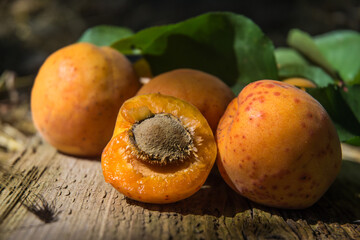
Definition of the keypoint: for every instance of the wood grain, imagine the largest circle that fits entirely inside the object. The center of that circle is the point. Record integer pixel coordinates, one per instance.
(89, 208)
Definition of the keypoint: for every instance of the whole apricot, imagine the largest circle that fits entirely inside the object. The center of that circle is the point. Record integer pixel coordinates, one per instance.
(207, 92)
(277, 146)
(77, 94)
(162, 150)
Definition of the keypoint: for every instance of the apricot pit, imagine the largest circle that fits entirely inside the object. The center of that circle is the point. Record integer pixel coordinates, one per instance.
(161, 139)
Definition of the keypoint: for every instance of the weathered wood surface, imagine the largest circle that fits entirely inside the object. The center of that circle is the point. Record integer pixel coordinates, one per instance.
(88, 208)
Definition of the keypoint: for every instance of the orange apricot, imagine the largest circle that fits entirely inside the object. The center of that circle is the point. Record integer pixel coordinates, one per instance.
(162, 150)
(277, 146)
(77, 95)
(302, 83)
(207, 92)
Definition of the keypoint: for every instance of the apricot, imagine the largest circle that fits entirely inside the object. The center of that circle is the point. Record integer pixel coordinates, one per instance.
(277, 146)
(77, 94)
(301, 83)
(207, 92)
(162, 150)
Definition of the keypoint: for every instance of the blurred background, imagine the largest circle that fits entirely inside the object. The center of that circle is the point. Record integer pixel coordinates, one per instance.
(30, 30)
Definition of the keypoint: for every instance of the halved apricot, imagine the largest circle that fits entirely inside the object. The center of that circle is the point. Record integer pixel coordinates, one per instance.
(162, 149)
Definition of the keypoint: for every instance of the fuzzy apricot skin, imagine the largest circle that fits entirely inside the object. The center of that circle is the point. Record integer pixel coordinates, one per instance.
(77, 95)
(277, 146)
(207, 92)
(144, 182)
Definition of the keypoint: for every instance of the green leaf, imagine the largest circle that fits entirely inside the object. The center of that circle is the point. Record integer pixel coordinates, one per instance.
(352, 98)
(356, 79)
(347, 136)
(346, 123)
(315, 74)
(303, 42)
(288, 56)
(335, 56)
(226, 45)
(140, 42)
(354, 141)
(342, 50)
(104, 35)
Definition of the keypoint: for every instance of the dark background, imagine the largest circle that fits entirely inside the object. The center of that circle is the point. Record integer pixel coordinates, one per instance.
(32, 29)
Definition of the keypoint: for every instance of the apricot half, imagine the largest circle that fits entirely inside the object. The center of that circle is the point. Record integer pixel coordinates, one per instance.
(162, 150)
(277, 146)
(207, 92)
(77, 95)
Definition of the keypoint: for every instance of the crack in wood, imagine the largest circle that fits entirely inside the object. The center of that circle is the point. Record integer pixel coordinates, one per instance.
(19, 193)
(106, 213)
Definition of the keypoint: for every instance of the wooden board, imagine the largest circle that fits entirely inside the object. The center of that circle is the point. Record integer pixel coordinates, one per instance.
(80, 205)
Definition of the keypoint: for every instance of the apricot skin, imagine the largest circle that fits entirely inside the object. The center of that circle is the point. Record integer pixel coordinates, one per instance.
(277, 146)
(77, 95)
(207, 92)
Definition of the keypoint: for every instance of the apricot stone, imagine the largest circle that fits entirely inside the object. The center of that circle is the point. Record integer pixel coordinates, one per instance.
(277, 146)
(77, 94)
(205, 91)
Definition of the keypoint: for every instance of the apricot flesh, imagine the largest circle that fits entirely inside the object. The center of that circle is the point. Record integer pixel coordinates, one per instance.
(207, 92)
(77, 95)
(277, 146)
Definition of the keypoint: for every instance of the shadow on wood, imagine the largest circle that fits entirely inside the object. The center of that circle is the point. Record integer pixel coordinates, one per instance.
(340, 204)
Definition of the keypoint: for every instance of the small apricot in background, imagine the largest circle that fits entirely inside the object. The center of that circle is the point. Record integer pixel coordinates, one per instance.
(205, 91)
(301, 83)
